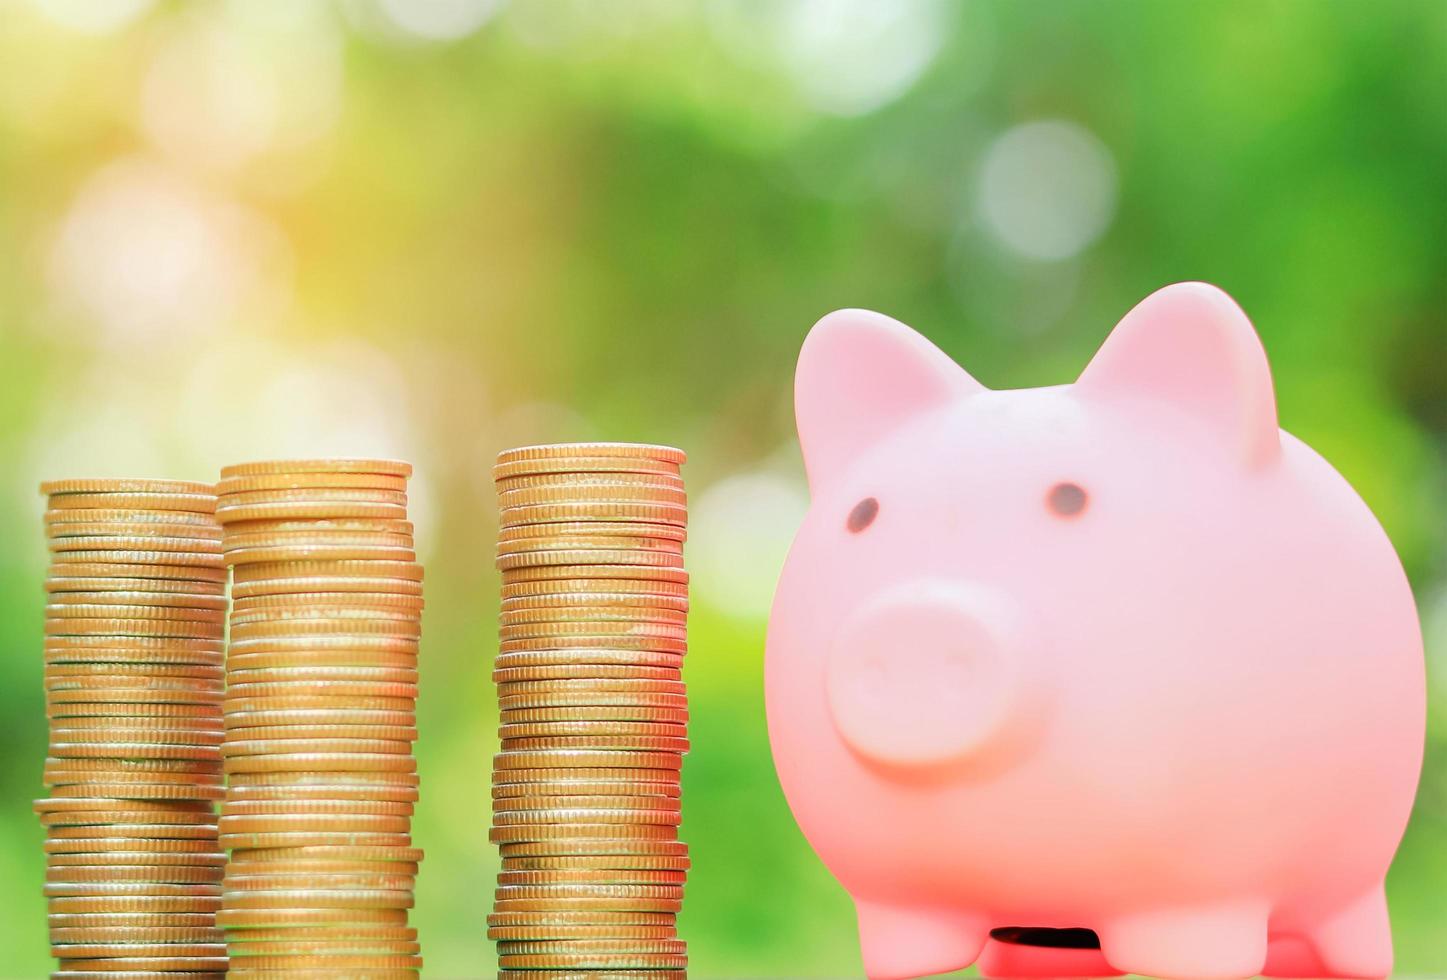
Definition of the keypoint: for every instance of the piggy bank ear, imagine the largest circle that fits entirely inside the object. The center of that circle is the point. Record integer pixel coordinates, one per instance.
(1190, 345)
(860, 375)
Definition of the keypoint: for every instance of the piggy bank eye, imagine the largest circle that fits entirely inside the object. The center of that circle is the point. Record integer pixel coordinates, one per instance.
(1067, 499)
(862, 515)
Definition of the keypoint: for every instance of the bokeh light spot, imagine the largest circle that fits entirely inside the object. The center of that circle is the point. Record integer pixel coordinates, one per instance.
(1047, 189)
(92, 16)
(739, 534)
(438, 20)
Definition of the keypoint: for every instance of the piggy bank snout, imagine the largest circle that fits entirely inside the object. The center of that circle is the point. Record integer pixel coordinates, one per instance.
(928, 675)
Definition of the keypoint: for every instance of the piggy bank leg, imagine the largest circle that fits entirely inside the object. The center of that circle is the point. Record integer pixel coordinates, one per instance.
(1357, 940)
(1211, 942)
(898, 942)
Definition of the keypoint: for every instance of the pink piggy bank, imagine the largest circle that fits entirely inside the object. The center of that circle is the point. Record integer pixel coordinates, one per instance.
(1113, 676)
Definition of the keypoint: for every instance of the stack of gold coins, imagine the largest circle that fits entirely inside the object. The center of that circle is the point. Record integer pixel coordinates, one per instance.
(320, 712)
(133, 651)
(593, 711)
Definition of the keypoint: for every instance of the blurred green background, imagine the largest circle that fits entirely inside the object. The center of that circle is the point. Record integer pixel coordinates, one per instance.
(435, 228)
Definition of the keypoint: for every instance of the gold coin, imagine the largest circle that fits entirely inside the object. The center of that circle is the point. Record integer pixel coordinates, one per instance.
(324, 659)
(244, 951)
(137, 569)
(315, 509)
(123, 599)
(303, 673)
(578, 932)
(396, 792)
(164, 874)
(144, 544)
(288, 702)
(121, 739)
(567, 904)
(526, 833)
(592, 685)
(594, 510)
(563, 917)
(566, 588)
(647, 743)
(613, 641)
(103, 611)
(345, 495)
(298, 645)
(255, 482)
(545, 778)
(334, 932)
(194, 901)
(523, 619)
(240, 541)
(578, 699)
(150, 791)
(338, 600)
(551, 729)
(196, 503)
(306, 839)
(300, 629)
(606, 862)
(238, 882)
(307, 915)
(568, 847)
(237, 747)
(321, 762)
(135, 949)
(671, 715)
(313, 608)
(326, 569)
(314, 687)
(647, 964)
(133, 710)
(124, 670)
(516, 675)
(586, 759)
(610, 492)
(590, 802)
(567, 529)
(102, 695)
(164, 966)
(292, 467)
(405, 855)
(319, 552)
(607, 944)
(276, 823)
(616, 577)
(562, 483)
(48, 805)
(566, 659)
(628, 628)
(606, 600)
(122, 517)
(553, 818)
(125, 485)
(375, 807)
(610, 450)
(161, 628)
(137, 859)
(121, 586)
(195, 533)
(307, 717)
(583, 465)
(589, 545)
(326, 584)
(136, 934)
(573, 558)
(342, 898)
(322, 525)
(139, 767)
(149, 559)
(379, 779)
(592, 974)
(311, 733)
(522, 794)
(327, 965)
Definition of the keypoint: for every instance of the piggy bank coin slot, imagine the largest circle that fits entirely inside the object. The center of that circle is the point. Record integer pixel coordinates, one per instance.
(1050, 938)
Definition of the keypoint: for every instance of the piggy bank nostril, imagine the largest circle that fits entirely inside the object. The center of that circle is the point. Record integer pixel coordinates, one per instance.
(862, 515)
(1066, 499)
